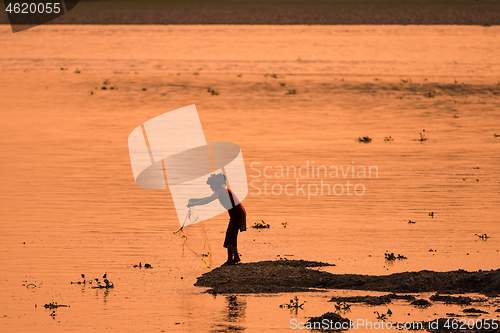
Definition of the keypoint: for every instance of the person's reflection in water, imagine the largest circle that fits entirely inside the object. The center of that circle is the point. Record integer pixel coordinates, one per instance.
(235, 315)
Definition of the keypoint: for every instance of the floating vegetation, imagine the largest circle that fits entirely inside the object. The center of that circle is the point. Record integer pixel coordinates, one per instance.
(212, 91)
(261, 225)
(54, 305)
(483, 236)
(430, 94)
(496, 135)
(284, 224)
(455, 116)
(392, 257)
(383, 316)
(148, 266)
(388, 138)
(422, 137)
(282, 84)
(77, 71)
(293, 304)
(406, 81)
(106, 84)
(411, 222)
(365, 139)
(274, 76)
(107, 284)
(431, 214)
(291, 92)
(342, 306)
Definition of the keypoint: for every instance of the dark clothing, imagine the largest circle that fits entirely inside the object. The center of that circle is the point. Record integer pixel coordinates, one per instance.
(237, 215)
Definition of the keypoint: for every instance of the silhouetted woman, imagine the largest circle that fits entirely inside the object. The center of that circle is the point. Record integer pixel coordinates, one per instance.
(237, 214)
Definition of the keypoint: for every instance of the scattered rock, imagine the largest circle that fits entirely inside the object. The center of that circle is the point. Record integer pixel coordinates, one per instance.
(372, 300)
(462, 300)
(335, 322)
(473, 310)
(421, 303)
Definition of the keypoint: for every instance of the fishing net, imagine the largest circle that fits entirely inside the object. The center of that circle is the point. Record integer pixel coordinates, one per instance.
(194, 237)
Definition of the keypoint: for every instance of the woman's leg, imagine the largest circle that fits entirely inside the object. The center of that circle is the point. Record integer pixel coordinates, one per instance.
(236, 255)
(230, 253)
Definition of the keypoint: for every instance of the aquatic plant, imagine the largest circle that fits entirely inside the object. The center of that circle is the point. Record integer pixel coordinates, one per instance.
(422, 137)
(342, 306)
(496, 135)
(406, 81)
(213, 92)
(482, 237)
(431, 214)
(284, 224)
(148, 266)
(383, 316)
(282, 84)
(293, 304)
(388, 138)
(411, 222)
(107, 284)
(392, 257)
(261, 225)
(291, 92)
(365, 139)
(54, 305)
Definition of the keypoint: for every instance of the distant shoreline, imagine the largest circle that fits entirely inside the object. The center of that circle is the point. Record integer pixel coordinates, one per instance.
(281, 12)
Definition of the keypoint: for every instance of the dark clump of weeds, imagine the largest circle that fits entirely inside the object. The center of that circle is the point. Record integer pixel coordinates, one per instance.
(54, 306)
(383, 316)
(365, 139)
(482, 236)
(146, 266)
(388, 138)
(261, 225)
(213, 92)
(392, 257)
(291, 92)
(105, 284)
(496, 135)
(293, 304)
(422, 137)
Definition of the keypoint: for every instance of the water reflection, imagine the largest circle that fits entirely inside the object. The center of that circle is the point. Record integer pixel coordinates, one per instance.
(233, 315)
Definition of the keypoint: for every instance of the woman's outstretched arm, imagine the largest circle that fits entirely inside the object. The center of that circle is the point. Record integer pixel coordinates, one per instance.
(202, 201)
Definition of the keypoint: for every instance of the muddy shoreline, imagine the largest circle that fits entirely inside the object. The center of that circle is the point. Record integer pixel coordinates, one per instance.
(300, 276)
